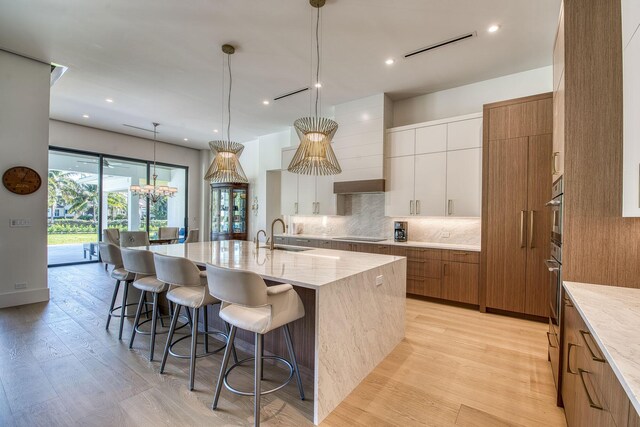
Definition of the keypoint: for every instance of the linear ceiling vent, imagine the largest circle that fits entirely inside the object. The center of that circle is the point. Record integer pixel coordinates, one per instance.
(288, 94)
(441, 44)
(139, 128)
(56, 72)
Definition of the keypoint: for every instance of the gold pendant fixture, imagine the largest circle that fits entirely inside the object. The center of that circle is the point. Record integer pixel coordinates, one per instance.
(226, 167)
(315, 155)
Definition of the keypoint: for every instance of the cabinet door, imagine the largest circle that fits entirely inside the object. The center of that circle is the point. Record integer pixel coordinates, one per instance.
(506, 224)
(460, 282)
(464, 182)
(306, 194)
(464, 134)
(325, 199)
(569, 362)
(401, 143)
(431, 139)
(399, 195)
(430, 184)
(288, 186)
(538, 224)
(557, 165)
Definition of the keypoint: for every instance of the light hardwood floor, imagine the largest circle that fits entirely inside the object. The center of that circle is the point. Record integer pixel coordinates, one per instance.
(59, 367)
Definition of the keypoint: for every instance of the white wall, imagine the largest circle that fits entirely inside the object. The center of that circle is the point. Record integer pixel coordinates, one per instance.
(24, 131)
(67, 135)
(470, 98)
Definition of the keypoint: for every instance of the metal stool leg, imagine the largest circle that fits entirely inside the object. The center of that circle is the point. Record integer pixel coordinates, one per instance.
(225, 363)
(137, 319)
(292, 355)
(172, 328)
(124, 308)
(261, 356)
(257, 380)
(194, 346)
(113, 302)
(154, 323)
(146, 307)
(230, 342)
(205, 319)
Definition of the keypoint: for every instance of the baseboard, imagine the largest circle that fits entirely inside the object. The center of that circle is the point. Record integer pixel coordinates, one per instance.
(24, 297)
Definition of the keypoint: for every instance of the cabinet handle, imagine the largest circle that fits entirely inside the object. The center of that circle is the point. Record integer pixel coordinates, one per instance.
(450, 207)
(586, 342)
(317, 207)
(295, 206)
(593, 404)
(410, 207)
(570, 346)
(417, 207)
(550, 344)
(554, 157)
(444, 269)
(531, 221)
(567, 302)
(522, 243)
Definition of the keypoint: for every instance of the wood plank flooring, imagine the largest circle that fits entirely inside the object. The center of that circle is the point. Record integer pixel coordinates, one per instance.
(456, 366)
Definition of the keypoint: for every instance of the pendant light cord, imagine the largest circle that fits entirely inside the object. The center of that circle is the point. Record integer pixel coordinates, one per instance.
(229, 100)
(155, 126)
(317, 58)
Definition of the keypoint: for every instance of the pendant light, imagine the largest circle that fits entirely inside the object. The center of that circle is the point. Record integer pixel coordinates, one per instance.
(153, 192)
(315, 155)
(226, 167)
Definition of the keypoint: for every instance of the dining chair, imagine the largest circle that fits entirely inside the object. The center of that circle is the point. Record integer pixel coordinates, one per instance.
(193, 236)
(130, 239)
(169, 233)
(111, 235)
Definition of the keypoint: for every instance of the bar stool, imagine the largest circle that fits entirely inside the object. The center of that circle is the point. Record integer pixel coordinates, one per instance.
(110, 254)
(247, 303)
(189, 290)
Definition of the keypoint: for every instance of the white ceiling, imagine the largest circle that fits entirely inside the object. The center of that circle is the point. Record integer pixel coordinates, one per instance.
(160, 60)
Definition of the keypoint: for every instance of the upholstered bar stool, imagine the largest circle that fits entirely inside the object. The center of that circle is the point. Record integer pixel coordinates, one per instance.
(189, 290)
(247, 303)
(141, 263)
(129, 239)
(111, 255)
(193, 236)
(169, 233)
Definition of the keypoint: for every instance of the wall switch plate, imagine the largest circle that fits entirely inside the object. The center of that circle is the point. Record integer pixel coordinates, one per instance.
(445, 234)
(20, 286)
(379, 280)
(19, 222)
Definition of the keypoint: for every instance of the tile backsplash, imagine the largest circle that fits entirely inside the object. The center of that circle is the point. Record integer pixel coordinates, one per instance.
(365, 217)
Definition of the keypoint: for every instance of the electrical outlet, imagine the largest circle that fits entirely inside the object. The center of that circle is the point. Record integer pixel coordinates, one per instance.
(19, 222)
(20, 286)
(379, 280)
(445, 234)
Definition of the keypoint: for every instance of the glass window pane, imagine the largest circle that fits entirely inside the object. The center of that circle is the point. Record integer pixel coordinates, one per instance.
(170, 211)
(239, 209)
(123, 210)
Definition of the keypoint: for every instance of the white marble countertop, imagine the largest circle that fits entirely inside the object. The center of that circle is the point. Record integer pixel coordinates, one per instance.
(612, 315)
(311, 268)
(410, 243)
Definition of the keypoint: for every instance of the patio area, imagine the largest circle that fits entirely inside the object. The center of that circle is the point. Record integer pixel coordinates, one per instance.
(73, 252)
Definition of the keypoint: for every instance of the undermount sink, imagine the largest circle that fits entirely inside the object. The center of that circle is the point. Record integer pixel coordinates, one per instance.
(291, 249)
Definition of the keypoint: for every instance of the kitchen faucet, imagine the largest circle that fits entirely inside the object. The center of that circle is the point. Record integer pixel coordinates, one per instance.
(258, 237)
(272, 245)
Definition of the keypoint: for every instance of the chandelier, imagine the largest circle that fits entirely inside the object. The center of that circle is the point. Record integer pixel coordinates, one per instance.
(153, 192)
(226, 167)
(315, 155)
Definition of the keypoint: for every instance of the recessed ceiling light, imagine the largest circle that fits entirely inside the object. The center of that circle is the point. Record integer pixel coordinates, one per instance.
(493, 28)
(109, 100)
(318, 85)
(215, 131)
(389, 61)
(186, 139)
(265, 102)
(86, 116)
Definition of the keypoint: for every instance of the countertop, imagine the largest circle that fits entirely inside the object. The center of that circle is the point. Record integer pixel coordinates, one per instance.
(410, 243)
(612, 315)
(311, 268)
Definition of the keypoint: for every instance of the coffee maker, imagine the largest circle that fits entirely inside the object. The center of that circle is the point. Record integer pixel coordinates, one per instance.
(400, 229)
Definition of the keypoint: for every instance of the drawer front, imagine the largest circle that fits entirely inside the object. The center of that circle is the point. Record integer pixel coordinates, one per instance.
(415, 268)
(424, 287)
(279, 240)
(298, 241)
(324, 244)
(432, 269)
(461, 256)
(422, 254)
(553, 340)
(589, 406)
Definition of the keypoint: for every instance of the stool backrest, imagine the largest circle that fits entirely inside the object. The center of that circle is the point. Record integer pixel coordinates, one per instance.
(168, 232)
(176, 271)
(236, 286)
(138, 261)
(134, 238)
(193, 236)
(111, 235)
(110, 254)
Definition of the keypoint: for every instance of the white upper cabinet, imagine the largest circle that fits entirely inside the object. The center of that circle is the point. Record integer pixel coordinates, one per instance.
(306, 194)
(431, 139)
(326, 203)
(464, 182)
(399, 197)
(464, 134)
(430, 184)
(401, 143)
(288, 185)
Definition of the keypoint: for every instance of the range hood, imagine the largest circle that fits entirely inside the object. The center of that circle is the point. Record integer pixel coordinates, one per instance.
(356, 187)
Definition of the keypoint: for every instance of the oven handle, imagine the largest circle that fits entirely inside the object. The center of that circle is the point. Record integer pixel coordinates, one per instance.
(552, 265)
(553, 202)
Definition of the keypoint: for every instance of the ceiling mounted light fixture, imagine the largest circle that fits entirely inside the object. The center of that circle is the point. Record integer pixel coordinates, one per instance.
(226, 167)
(315, 155)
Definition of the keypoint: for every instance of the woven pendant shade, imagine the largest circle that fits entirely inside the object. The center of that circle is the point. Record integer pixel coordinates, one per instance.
(226, 167)
(315, 155)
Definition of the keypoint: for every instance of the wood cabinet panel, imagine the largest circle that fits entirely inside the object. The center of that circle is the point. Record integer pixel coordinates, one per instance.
(325, 244)
(423, 253)
(558, 129)
(460, 282)
(498, 123)
(531, 118)
(506, 253)
(634, 418)
(461, 256)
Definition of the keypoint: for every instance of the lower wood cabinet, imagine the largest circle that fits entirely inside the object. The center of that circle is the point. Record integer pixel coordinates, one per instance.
(460, 282)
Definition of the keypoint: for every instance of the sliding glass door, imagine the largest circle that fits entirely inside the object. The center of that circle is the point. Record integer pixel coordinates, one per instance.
(169, 211)
(123, 210)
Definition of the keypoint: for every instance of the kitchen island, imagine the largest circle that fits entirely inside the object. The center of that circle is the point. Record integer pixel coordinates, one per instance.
(354, 302)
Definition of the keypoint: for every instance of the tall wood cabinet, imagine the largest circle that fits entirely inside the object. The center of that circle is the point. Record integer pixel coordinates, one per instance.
(516, 224)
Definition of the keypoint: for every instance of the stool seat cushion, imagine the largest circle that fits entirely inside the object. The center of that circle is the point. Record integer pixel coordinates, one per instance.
(150, 284)
(283, 306)
(122, 274)
(191, 296)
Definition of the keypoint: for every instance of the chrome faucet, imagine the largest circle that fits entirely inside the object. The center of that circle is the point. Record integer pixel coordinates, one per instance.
(272, 245)
(258, 237)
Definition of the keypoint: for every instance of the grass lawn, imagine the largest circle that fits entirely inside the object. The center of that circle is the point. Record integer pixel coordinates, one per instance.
(62, 239)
